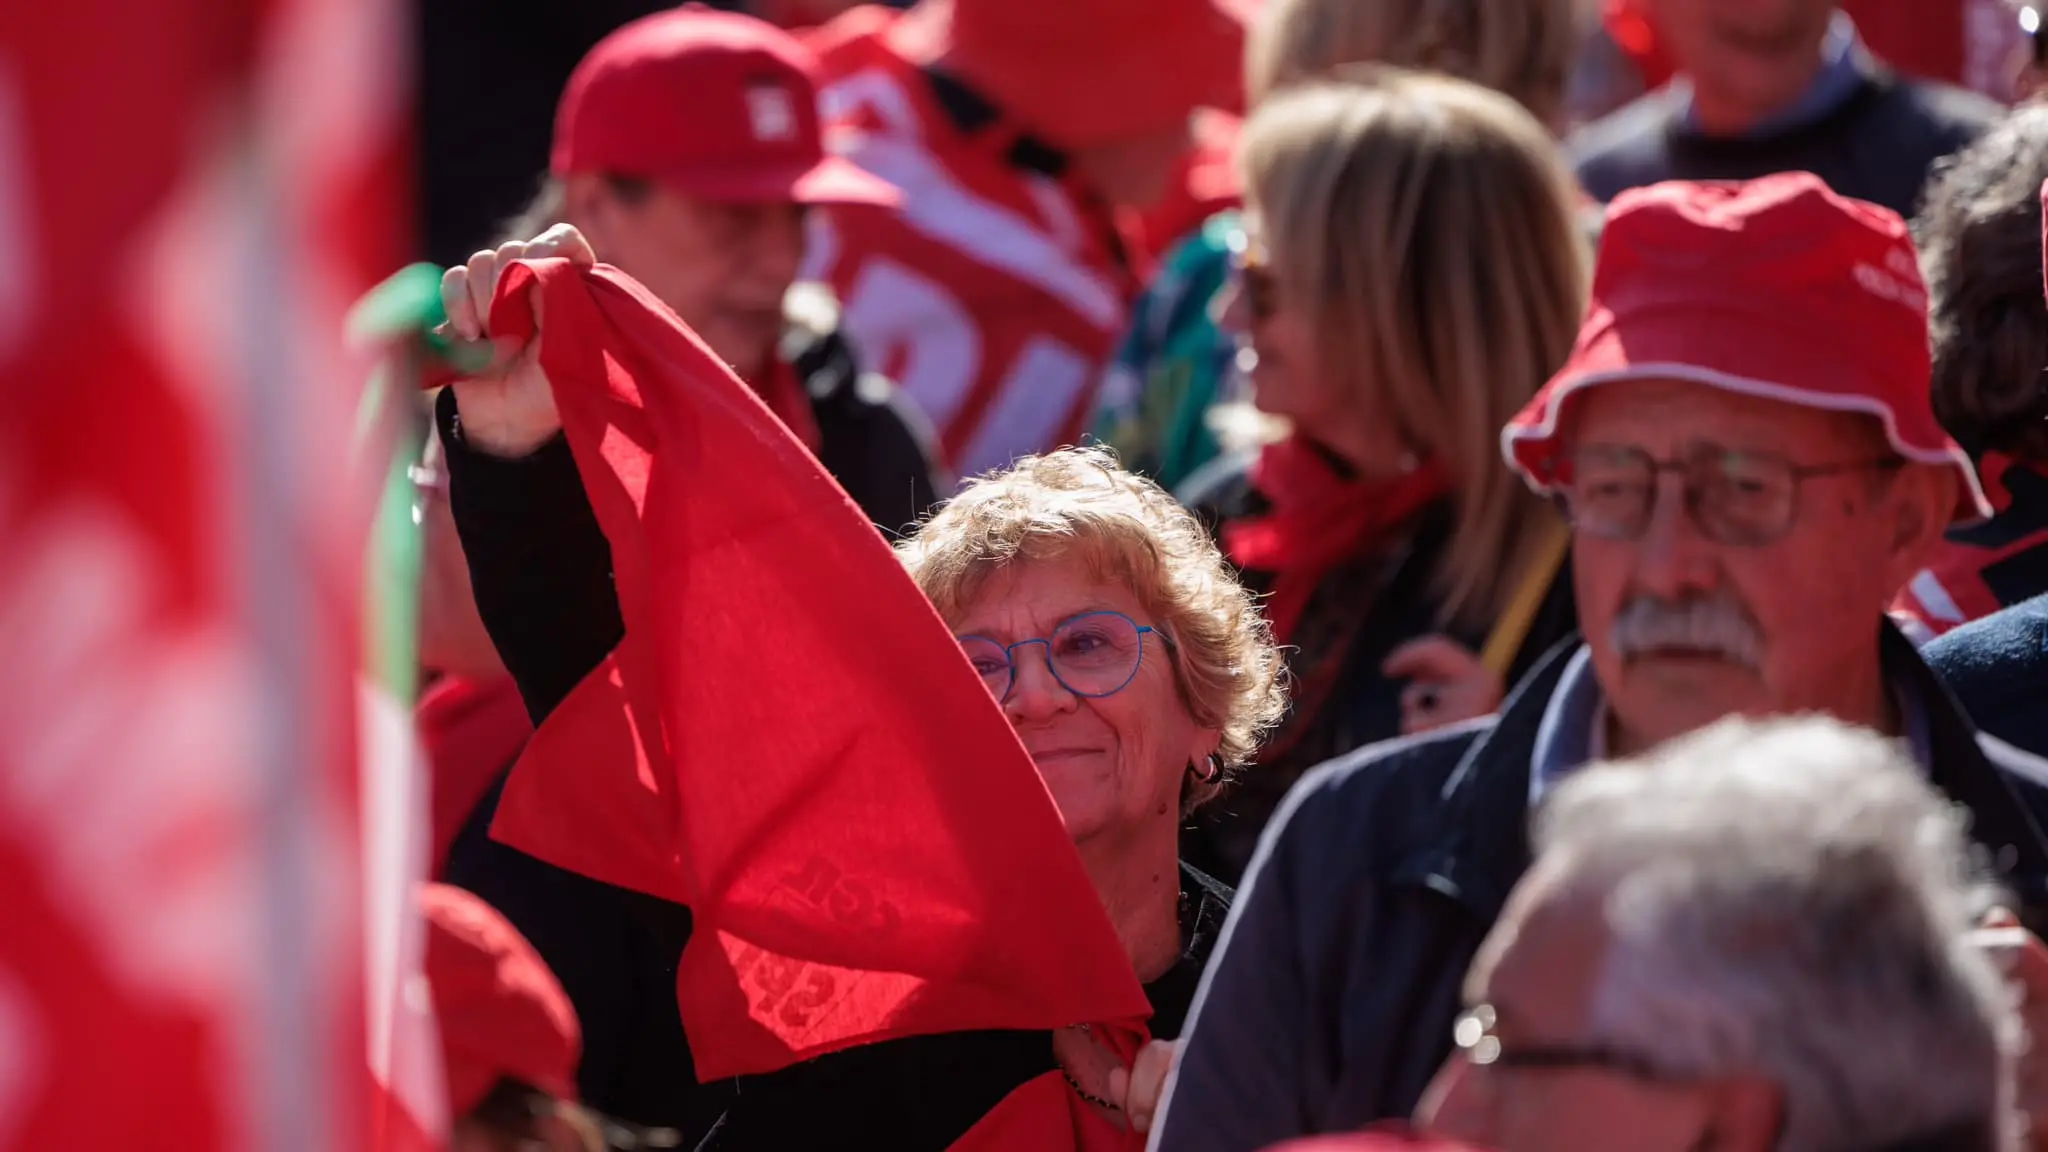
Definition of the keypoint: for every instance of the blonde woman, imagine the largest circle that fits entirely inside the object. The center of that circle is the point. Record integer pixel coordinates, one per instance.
(1412, 272)
(1174, 364)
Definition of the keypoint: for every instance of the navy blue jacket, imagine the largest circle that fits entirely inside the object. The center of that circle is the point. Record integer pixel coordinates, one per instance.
(1998, 668)
(1330, 1000)
(1878, 145)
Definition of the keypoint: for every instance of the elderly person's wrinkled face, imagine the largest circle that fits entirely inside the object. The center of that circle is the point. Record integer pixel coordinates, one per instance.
(1530, 1073)
(1734, 554)
(722, 267)
(1096, 704)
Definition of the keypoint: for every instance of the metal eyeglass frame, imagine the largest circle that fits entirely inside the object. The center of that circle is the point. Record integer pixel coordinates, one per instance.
(1052, 665)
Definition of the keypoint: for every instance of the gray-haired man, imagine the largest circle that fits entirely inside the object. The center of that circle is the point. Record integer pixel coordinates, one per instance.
(1756, 937)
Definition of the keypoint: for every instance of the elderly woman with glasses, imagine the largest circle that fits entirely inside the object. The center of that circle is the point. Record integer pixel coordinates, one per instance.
(1136, 670)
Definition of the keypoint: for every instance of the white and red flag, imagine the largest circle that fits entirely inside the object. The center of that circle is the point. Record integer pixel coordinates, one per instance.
(191, 195)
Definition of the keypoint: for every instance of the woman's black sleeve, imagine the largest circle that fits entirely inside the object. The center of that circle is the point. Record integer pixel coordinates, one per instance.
(538, 562)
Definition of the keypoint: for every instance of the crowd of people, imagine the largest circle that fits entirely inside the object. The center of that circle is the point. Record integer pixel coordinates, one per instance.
(1533, 622)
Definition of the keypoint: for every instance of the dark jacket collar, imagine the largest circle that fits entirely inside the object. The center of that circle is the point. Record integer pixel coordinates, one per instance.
(1480, 848)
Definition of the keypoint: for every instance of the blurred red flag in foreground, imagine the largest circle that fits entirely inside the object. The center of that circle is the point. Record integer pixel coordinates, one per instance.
(790, 741)
(190, 197)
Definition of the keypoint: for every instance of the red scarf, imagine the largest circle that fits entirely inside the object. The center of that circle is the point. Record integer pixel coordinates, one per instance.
(789, 741)
(1319, 518)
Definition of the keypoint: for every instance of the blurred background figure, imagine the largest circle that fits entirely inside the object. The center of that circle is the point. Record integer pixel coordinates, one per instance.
(1975, 44)
(1175, 366)
(1754, 938)
(2027, 60)
(1980, 239)
(1763, 86)
(995, 294)
(688, 151)
(1393, 343)
(489, 74)
(509, 1038)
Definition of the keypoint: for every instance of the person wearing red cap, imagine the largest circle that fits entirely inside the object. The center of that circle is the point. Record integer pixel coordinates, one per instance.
(1743, 444)
(688, 151)
(995, 294)
(509, 1039)
(1769, 86)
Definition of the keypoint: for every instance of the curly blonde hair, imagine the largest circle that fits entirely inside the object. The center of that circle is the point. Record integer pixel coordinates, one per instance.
(1081, 503)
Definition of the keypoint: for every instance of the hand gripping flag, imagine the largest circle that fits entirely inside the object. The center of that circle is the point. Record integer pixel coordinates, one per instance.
(789, 740)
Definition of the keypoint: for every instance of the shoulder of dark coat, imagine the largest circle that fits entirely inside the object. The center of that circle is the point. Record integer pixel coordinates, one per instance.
(843, 393)
(2002, 646)
(1378, 803)
(1952, 115)
(1997, 667)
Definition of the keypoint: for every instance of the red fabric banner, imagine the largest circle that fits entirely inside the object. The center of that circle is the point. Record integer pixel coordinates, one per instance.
(789, 739)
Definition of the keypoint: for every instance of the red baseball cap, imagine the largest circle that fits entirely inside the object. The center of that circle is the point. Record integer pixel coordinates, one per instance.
(500, 1012)
(1085, 72)
(714, 104)
(1774, 287)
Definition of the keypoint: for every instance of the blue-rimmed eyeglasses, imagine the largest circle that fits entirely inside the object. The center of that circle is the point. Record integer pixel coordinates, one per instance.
(1093, 654)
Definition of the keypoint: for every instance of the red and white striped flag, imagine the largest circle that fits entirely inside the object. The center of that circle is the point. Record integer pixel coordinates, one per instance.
(190, 197)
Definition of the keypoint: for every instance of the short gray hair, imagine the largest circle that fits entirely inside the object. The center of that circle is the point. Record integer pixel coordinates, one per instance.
(1790, 899)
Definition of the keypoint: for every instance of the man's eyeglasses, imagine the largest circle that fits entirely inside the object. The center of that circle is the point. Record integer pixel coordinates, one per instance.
(1252, 272)
(1473, 1034)
(1741, 498)
(1093, 654)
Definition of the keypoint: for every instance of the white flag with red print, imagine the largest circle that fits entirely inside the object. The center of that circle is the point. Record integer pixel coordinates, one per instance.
(191, 194)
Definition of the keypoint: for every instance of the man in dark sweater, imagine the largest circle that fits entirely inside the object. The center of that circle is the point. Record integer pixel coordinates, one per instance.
(1777, 86)
(1743, 441)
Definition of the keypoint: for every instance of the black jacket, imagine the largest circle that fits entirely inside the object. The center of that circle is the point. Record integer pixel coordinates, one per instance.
(1331, 1002)
(870, 437)
(541, 570)
(1362, 611)
(1877, 146)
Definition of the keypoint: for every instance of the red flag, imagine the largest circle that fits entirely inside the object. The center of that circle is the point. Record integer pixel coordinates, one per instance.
(789, 739)
(178, 587)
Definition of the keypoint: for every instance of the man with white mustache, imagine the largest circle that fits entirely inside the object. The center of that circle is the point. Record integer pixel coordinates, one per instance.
(1744, 443)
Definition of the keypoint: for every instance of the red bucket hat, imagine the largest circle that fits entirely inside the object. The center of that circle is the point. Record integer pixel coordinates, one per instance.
(1085, 72)
(1776, 288)
(500, 1012)
(714, 104)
